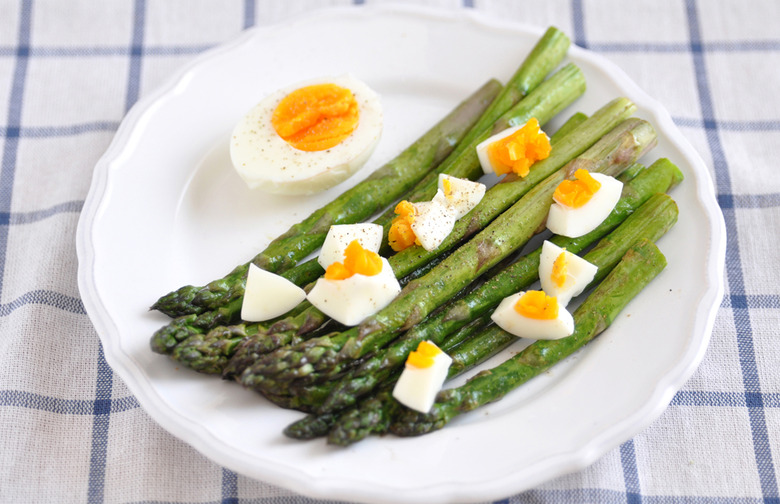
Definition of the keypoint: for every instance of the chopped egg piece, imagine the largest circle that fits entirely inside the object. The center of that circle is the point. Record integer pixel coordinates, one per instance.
(461, 195)
(429, 223)
(533, 315)
(581, 205)
(307, 137)
(339, 236)
(514, 150)
(423, 376)
(356, 288)
(563, 274)
(268, 295)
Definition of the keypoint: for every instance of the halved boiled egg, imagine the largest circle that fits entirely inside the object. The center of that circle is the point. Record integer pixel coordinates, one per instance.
(534, 315)
(514, 149)
(563, 274)
(268, 295)
(582, 204)
(307, 137)
(423, 376)
(356, 288)
(341, 235)
(429, 223)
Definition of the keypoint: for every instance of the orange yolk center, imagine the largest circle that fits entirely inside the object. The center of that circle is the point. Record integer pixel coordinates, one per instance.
(518, 151)
(559, 269)
(317, 117)
(575, 193)
(424, 356)
(357, 260)
(401, 235)
(537, 305)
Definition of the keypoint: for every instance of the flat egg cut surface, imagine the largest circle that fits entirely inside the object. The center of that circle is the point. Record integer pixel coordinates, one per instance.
(266, 161)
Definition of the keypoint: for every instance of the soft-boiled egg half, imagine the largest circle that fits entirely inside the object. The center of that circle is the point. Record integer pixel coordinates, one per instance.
(356, 288)
(423, 376)
(534, 315)
(268, 295)
(563, 274)
(582, 204)
(429, 223)
(307, 137)
(341, 235)
(514, 149)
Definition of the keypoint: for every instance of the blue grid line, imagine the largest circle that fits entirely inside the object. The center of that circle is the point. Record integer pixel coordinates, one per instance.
(683, 47)
(44, 297)
(630, 472)
(578, 23)
(737, 126)
(30, 400)
(18, 218)
(249, 13)
(761, 448)
(105, 51)
(58, 131)
(731, 201)
(757, 301)
(723, 399)
(229, 487)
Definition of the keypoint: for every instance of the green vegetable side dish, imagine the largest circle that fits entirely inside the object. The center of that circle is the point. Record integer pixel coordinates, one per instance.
(344, 378)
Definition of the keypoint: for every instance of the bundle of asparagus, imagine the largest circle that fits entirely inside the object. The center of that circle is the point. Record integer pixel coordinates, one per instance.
(344, 377)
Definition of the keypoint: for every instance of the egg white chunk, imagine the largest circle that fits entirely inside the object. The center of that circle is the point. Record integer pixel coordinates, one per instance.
(464, 194)
(574, 222)
(579, 273)
(341, 235)
(433, 223)
(416, 388)
(482, 148)
(265, 161)
(508, 319)
(351, 300)
(268, 295)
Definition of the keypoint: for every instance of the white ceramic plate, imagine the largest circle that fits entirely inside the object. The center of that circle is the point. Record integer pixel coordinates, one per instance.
(165, 209)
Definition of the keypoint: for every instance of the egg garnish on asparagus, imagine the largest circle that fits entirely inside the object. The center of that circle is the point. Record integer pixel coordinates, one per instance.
(339, 237)
(582, 204)
(356, 288)
(535, 315)
(307, 137)
(562, 274)
(422, 377)
(428, 223)
(268, 295)
(514, 149)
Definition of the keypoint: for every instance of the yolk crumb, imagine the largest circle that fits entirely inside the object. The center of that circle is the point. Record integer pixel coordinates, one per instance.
(537, 305)
(559, 270)
(401, 235)
(357, 260)
(317, 117)
(575, 193)
(423, 357)
(518, 151)
(447, 186)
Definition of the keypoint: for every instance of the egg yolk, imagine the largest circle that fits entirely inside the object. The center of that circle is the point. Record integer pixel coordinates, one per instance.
(401, 235)
(317, 117)
(424, 355)
(518, 151)
(537, 305)
(559, 269)
(357, 260)
(446, 185)
(575, 193)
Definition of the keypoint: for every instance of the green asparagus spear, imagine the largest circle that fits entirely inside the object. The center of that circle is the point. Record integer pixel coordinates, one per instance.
(654, 217)
(371, 195)
(321, 357)
(639, 266)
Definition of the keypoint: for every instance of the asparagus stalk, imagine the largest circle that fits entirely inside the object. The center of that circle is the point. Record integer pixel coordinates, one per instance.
(654, 216)
(322, 357)
(639, 266)
(371, 195)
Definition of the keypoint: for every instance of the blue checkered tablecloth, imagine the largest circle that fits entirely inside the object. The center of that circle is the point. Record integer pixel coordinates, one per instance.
(70, 431)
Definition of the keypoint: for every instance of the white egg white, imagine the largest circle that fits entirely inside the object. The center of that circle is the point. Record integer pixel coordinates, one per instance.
(339, 236)
(351, 300)
(265, 161)
(416, 388)
(433, 223)
(574, 222)
(268, 295)
(579, 273)
(464, 194)
(508, 319)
